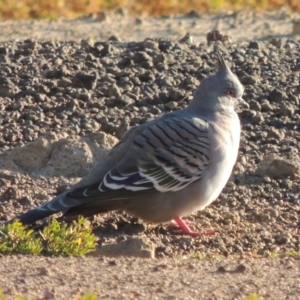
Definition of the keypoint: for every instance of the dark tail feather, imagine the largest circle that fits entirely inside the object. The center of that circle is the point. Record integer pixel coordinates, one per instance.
(41, 212)
(33, 216)
(56, 205)
(73, 207)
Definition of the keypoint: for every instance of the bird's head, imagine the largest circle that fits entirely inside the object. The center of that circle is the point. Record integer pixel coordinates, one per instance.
(222, 90)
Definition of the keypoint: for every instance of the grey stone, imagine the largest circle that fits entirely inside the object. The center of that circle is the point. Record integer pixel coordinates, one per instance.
(132, 247)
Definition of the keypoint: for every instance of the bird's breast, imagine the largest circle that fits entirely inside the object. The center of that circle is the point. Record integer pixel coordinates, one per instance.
(225, 137)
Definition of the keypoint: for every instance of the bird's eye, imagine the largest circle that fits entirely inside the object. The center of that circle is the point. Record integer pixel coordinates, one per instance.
(230, 92)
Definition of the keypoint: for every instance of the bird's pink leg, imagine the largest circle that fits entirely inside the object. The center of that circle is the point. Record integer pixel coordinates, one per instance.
(184, 229)
(187, 222)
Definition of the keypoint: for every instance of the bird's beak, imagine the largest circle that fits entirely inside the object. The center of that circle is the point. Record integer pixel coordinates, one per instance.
(242, 104)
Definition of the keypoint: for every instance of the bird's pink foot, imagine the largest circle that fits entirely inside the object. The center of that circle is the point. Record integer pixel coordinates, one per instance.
(187, 222)
(184, 229)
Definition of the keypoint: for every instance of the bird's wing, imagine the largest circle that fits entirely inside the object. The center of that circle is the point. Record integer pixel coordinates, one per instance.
(166, 156)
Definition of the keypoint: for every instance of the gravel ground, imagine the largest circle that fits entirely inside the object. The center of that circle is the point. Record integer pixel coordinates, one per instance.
(65, 101)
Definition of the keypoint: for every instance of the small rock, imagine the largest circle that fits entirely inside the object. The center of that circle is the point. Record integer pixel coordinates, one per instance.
(33, 156)
(254, 105)
(248, 114)
(184, 242)
(258, 118)
(296, 27)
(86, 44)
(7, 174)
(276, 42)
(49, 295)
(222, 269)
(41, 196)
(277, 168)
(277, 95)
(242, 268)
(171, 105)
(216, 35)
(101, 16)
(25, 201)
(113, 90)
(151, 44)
(266, 106)
(11, 193)
(69, 158)
(282, 239)
(129, 228)
(276, 134)
(187, 39)
(112, 263)
(249, 80)
(138, 21)
(43, 271)
(85, 80)
(100, 143)
(273, 212)
(193, 14)
(255, 45)
(114, 38)
(286, 109)
(132, 247)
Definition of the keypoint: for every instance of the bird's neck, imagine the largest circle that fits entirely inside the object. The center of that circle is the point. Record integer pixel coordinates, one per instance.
(207, 112)
(199, 110)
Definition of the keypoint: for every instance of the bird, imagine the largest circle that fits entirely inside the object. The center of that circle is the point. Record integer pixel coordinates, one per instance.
(167, 168)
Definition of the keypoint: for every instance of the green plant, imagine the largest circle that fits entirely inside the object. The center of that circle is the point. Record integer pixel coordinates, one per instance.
(76, 239)
(293, 253)
(89, 297)
(54, 239)
(16, 238)
(3, 297)
(273, 254)
(254, 297)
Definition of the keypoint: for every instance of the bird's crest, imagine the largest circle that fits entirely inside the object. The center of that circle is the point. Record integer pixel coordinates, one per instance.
(221, 63)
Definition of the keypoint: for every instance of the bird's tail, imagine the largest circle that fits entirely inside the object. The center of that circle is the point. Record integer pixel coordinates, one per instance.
(71, 207)
(33, 215)
(54, 206)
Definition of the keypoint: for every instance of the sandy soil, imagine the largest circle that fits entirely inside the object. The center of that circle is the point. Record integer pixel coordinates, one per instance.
(64, 278)
(240, 26)
(165, 278)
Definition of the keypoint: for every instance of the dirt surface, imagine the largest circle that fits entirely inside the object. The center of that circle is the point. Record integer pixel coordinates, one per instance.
(241, 26)
(67, 95)
(61, 278)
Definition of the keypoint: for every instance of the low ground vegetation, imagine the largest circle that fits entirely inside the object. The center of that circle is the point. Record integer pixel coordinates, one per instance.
(54, 239)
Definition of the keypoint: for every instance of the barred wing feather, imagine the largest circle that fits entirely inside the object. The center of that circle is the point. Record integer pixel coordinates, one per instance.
(167, 156)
